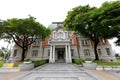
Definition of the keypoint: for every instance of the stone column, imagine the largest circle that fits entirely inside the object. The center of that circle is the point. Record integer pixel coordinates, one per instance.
(70, 60)
(53, 57)
(68, 54)
(66, 49)
(50, 58)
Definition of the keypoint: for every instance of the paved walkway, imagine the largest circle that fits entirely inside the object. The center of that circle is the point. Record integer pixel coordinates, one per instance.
(58, 71)
(10, 75)
(103, 74)
(4, 69)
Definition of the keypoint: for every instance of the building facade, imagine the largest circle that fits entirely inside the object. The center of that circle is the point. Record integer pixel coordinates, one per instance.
(63, 46)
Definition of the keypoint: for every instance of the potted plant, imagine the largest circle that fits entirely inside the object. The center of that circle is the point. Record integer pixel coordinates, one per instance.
(27, 60)
(88, 60)
(27, 65)
(89, 64)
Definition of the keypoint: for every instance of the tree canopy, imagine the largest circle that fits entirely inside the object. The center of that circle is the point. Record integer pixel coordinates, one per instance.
(24, 32)
(95, 23)
(110, 16)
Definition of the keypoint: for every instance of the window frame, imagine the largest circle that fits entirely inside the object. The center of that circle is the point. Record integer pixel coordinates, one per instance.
(34, 53)
(86, 52)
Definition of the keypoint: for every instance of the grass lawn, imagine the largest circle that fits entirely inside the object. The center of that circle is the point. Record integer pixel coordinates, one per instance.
(103, 63)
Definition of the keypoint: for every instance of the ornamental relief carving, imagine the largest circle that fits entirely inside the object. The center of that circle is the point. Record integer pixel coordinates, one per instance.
(60, 34)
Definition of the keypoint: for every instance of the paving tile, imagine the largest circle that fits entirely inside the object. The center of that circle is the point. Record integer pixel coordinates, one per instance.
(57, 71)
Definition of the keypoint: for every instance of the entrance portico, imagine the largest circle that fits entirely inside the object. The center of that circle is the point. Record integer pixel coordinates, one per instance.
(60, 39)
(56, 54)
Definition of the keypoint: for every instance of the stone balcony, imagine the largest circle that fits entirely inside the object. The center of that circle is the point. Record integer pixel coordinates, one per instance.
(60, 40)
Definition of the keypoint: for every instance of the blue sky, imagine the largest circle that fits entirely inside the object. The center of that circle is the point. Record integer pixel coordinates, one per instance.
(46, 11)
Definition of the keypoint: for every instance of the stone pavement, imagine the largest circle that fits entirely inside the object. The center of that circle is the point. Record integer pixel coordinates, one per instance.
(58, 71)
(103, 74)
(114, 73)
(5, 69)
(9, 73)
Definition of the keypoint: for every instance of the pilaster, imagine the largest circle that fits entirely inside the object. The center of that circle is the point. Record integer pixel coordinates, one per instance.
(50, 59)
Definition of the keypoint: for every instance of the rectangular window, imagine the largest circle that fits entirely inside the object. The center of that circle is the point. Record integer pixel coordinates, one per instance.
(54, 35)
(85, 42)
(71, 41)
(48, 52)
(15, 52)
(108, 51)
(36, 43)
(35, 53)
(86, 52)
(72, 52)
(66, 36)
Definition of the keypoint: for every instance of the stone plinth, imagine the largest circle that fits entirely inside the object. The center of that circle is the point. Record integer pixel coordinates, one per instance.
(90, 66)
(26, 66)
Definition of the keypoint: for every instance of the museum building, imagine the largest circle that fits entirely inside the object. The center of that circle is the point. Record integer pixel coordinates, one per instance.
(63, 46)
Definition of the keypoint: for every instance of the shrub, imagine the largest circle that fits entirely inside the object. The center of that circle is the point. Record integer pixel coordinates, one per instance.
(27, 59)
(39, 62)
(78, 61)
(1, 63)
(88, 59)
(105, 63)
(16, 64)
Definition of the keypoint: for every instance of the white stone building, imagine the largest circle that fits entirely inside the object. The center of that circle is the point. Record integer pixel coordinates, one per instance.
(63, 46)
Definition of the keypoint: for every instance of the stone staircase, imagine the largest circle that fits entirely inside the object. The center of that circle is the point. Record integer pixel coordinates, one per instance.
(60, 61)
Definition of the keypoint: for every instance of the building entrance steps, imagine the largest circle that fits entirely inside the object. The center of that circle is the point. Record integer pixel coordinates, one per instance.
(58, 71)
(60, 61)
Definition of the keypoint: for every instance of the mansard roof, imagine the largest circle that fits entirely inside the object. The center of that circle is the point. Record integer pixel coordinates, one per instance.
(55, 25)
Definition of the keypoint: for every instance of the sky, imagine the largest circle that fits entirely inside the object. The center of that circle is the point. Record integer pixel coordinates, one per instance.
(46, 11)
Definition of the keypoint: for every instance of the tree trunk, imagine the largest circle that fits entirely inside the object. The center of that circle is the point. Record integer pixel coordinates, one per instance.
(95, 50)
(23, 54)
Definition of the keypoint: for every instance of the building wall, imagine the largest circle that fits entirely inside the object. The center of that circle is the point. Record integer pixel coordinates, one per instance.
(85, 46)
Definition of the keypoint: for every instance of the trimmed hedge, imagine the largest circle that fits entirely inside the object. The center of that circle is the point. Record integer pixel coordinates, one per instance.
(39, 62)
(78, 61)
(104, 63)
(27, 59)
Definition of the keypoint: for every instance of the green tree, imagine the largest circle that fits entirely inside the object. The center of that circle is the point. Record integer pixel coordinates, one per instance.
(109, 17)
(79, 20)
(1, 54)
(95, 23)
(24, 32)
(1, 27)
